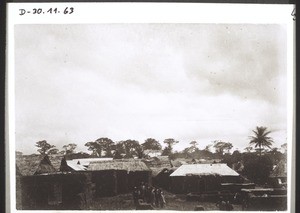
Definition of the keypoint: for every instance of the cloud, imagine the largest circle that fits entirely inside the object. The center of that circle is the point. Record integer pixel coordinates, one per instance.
(76, 83)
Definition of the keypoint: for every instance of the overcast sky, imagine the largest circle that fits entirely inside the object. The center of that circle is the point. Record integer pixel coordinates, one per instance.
(203, 82)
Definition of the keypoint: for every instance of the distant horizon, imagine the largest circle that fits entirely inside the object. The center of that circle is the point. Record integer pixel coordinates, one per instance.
(204, 82)
(242, 150)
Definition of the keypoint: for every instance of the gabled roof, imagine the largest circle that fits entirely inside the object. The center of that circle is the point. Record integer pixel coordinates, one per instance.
(204, 169)
(128, 165)
(34, 164)
(56, 160)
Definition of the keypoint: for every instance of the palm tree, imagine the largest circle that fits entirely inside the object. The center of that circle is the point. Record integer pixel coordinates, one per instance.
(261, 138)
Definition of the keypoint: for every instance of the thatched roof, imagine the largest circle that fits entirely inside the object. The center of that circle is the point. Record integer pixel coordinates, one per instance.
(56, 160)
(128, 165)
(34, 164)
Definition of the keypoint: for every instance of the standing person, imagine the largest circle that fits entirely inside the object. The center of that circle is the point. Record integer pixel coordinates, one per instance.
(152, 196)
(162, 201)
(143, 191)
(148, 194)
(221, 204)
(157, 197)
(135, 195)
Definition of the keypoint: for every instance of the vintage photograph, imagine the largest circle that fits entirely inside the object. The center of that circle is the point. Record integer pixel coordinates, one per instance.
(151, 116)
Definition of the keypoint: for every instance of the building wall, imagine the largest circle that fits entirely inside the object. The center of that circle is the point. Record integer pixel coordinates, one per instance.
(105, 183)
(198, 184)
(18, 192)
(54, 192)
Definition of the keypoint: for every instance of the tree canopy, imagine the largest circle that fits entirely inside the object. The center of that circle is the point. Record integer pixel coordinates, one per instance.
(69, 149)
(170, 142)
(261, 138)
(101, 146)
(44, 147)
(151, 143)
(221, 147)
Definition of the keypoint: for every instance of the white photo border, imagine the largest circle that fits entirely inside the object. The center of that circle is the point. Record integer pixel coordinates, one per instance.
(88, 13)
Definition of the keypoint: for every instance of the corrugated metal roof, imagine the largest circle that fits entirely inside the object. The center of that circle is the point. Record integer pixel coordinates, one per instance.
(204, 169)
(87, 161)
(76, 167)
(82, 163)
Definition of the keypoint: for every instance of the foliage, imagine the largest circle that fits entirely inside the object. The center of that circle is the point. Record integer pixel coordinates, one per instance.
(284, 147)
(43, 147)
(132, 148)
(170, 142)
(232, 159)
(119, 150)
(221, 147)
(194, 143)
(258, 169)
(95, 148)
(69, 149)
(107, 145)
(275, 155)
(53, 151)
(101, 145)
(151, 143)
(248, 149)
(78, 155)
(166, 151)
(261, 138)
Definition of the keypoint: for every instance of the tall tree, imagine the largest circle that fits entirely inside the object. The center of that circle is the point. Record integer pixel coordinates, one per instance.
(107, 146)
(221, 147)
(95, 148)
(261, 138)
(194, 144)
(119, 149)
(132, 147)
(151, 143)
(101, 145)
(69, 149)
(248, 149)
(43, 147)
(170, 142)
(258, 168)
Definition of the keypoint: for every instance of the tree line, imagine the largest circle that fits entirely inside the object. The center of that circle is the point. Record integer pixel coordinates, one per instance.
(105, 147)
(256, 161)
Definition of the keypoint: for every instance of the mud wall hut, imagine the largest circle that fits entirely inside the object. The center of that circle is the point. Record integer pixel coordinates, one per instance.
(118, 176)
(41, 186)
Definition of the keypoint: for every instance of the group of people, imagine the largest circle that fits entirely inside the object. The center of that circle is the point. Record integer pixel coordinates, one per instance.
(224, 204)
(148, 194)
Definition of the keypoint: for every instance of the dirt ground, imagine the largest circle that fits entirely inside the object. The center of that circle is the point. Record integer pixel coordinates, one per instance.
(174, 202)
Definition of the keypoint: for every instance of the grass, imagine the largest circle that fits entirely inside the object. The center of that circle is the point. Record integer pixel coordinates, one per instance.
(174, 202)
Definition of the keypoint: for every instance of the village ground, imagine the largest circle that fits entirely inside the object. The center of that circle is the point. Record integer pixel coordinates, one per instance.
(174, 202)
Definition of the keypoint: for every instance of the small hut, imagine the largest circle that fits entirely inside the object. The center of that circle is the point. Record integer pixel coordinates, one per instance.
(278, 176)
(34, 164)
(41, 186)
(162, 178)
(202, 178)
(118, 176)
